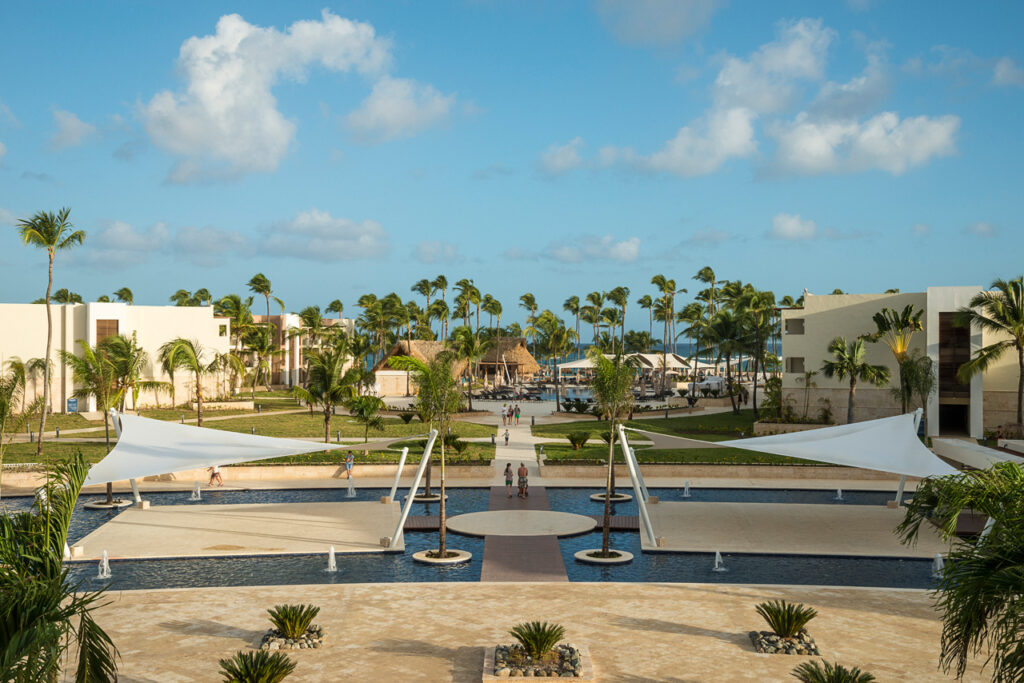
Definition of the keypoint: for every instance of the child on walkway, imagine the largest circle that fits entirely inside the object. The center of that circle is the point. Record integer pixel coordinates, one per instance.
(506, 437)
(508, 479)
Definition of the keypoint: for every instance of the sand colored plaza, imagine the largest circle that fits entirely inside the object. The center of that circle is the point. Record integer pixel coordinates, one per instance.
(438, 632)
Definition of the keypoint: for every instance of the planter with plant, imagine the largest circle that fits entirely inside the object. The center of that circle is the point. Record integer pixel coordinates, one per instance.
(788, 635)
(538, 652)
(578, 439)
(293, 629)
(823, 672)
(256, 667)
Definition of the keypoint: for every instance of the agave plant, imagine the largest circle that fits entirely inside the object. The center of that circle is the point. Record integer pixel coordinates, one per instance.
(406, 416)
(293, 620)
(823, 672)
(786, 619)
(578, 439)
(259, 666)
(538, 638)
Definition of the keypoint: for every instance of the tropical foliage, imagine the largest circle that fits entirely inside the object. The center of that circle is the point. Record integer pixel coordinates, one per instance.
(293, 620)
(849, 362)
(786, 619)
(827, 672)
(613, 394)
(258, 666)
(538, 637)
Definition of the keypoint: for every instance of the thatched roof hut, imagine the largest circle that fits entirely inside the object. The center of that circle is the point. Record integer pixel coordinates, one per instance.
(510, 352)
(420, 350)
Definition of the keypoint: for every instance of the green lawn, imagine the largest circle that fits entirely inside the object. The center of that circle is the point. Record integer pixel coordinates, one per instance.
(700, 426)
(302, 424)
(594, 453)
(474, 453)
(53, 451)
(70, 421)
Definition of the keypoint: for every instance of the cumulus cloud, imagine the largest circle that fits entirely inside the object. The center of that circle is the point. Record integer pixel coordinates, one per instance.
(318, 236)
(981, 229)
(1006, 72)
(858, 95)
(119, 244)
(559, 159)
(793, 228)
(583, 248)
(209, 245)
(399, 107)
(810, 146)
(225, 122)
(656, 22)
(70, 131)
(436, 251)
(698, 149)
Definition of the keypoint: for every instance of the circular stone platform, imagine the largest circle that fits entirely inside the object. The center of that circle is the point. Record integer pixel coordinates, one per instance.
(616, 497)
(584, 556)
(108, 506)
(459, 557)
(520, 523)
(422, 498)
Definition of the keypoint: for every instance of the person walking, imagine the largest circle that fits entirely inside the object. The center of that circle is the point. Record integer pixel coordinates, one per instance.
(524, 482)
(517, 413)
(504, 415)
(508, 479)
(506, 437)
(215, 476)
(350, 460)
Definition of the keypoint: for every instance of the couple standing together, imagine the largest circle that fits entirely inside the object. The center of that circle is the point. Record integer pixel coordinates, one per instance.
(510, 415)
(524, 484)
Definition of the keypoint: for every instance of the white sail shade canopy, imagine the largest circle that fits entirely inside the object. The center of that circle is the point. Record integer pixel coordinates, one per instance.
(889, 444)
(148, 448)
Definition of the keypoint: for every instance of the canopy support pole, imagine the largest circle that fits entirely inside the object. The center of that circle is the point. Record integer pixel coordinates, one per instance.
(117, 432)
(899, 490)
(398, 473)
(989, 523)
(412, 490)
(641, 501)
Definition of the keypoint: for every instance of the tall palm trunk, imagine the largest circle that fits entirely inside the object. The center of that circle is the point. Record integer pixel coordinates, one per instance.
(609, 487)
(46, 362)
(199, 401)
(728, 384)
(327, 423)
(442, 533)
(851, 405)
(106, 434)
(1020, 385)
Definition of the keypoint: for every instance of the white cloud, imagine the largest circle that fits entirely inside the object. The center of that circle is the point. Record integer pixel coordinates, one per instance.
(708, 237)
(209, 245)
(6, 217)
(71, 130)
(9, 115)
(858, 95)
(435, 251)
(698, 149)
(656, 21)
(226, 122)
(809, 146)
(792, 228)
(920, 229)
(954, 63)
(1006, 72)
(981, 229)
(318, 236)
(119, 244)
(399, 107)
(559, 159)
(582, 248)
(3, 151)
(765, 82)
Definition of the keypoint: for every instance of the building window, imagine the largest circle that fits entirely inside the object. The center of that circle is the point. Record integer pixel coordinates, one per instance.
(794, 325)
(223, 330)
(795, 364)
(104, 329)
(954, 351)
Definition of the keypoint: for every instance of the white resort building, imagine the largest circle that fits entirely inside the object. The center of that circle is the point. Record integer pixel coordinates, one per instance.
(989, 400)
(23, 335)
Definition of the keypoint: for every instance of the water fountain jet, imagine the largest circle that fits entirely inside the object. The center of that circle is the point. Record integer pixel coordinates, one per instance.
(686, 489)
(938, 564)
(196, 493)
(839, 496)
(351, 489)
(104, 571)
(332, 565)
(719, 564)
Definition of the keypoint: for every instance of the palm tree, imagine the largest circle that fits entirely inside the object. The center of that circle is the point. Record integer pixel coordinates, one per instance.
(201, 297)
(808, 381)
(440, 283)
(979, 593)
(328, 384)
(129, 360)
(64, 296)
(366, 411)
(468, 347)
(493, 307)
(124, 294)
(439, 311)
(557, 342)
(45, 614)
(667, 289)
(52, 232)
(572, 305)
(529, 302)
(182, 297)
(647, 303)
(189, 355)
(239, 311)
(613, 394)
(620, 297)
(592, 316)
(726, 333)
(849, 362)
(335, 307)
(439, 398)
(261, 342)
(95, 377)
(15, 410)
(260, 284)
(895, 329)
(424, 288)
(999, 312)
(103, 299)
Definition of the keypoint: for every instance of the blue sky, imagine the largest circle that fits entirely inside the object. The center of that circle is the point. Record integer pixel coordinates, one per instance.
(556, 148)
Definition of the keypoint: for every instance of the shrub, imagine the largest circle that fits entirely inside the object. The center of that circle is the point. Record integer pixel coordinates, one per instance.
(614, 438)
(823, 672)
(578, 439)
(459, 445)
(538, 638)
(406, 417)
(580, 406)
(292, 620)
(256, 667)
(568, 405)
(786, 619)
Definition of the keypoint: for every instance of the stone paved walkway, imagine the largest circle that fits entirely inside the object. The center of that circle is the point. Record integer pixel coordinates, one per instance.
(521, 558)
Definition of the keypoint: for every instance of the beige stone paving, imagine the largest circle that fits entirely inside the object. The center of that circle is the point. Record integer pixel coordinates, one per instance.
(520, 523)
(786, 528)
(437, 632)
(253, 529)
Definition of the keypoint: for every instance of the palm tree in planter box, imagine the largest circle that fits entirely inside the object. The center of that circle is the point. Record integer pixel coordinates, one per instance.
(439, 398)
(328, 384)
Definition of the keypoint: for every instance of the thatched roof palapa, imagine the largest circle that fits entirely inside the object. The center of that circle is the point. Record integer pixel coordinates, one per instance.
(419, 349)
(513, 351)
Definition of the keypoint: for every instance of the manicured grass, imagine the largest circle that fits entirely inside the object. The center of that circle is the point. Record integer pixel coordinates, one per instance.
(303, 424)
(62, 421)
(171, 414)
(594, 454)
(721, 423)
(54, 451)
(474, 453)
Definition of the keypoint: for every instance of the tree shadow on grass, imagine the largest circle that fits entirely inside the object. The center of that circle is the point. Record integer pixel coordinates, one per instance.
(465, 662)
